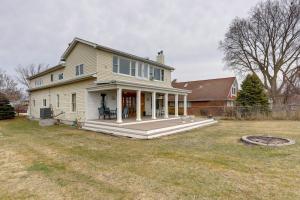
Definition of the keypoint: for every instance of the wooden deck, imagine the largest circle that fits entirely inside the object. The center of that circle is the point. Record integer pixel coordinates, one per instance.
(148, 128)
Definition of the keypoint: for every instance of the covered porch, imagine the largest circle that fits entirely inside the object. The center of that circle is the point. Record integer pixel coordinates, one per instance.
(128, 103)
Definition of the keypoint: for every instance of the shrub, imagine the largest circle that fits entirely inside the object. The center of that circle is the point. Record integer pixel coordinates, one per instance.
(6, 110)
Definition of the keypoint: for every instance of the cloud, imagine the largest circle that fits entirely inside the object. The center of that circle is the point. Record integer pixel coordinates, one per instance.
(36, 31)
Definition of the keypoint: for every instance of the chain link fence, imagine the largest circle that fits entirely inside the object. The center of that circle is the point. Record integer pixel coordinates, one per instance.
(280, 112)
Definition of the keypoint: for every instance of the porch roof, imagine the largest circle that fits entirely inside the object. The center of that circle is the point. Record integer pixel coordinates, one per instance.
(114, 84)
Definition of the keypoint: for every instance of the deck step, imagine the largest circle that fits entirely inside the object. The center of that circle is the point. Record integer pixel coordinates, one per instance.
(144, 134)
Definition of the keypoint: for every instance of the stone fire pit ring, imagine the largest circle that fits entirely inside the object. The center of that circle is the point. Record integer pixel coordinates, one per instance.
(267, 140)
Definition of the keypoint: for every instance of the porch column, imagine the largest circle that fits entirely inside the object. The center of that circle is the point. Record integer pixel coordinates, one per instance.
(119, 105)
(138, 105)
(185, 105)
(153, 105)
(166, 103)
(176, 105)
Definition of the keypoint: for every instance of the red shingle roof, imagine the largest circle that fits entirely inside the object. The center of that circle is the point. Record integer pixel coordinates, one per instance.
(207, 90)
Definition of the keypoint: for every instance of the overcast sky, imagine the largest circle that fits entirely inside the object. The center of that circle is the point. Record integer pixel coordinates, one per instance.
(189, 31)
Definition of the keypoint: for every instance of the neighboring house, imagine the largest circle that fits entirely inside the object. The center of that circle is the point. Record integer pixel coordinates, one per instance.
(91, 76)
(207, 95)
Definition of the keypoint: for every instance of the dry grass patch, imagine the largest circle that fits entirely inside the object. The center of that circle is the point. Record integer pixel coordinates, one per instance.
(61, 162)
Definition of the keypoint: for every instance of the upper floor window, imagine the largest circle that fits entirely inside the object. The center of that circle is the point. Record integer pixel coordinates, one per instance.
(139, 69)
(234, 89)
(52, 77)
(145, 70)
(38, 82)
(115, 64)
(133, 66)
(60, 76)
(124, 66)
(157, 74)
(79, 69)
(151, 73)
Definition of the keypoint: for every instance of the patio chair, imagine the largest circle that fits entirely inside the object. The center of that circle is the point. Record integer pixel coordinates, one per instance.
(101, 112)
(162, 112)
(106, 112)
(113, 113)
(125, 112)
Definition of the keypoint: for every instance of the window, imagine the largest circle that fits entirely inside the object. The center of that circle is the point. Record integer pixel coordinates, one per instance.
(52, 77)
(145, 70)
(151, 74)
(124, 66)
(60, 76)
(79, 70)
(115, 64)
(157, 75)
(34, 103)
(44, 102)
(140, 68)
(181, 104)
(57, 100)
(74, 102)
(38, 82)
(234, 89)
(171, 104)
(133, 68)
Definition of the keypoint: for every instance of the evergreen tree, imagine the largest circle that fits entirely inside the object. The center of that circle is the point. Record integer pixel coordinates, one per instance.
(6, 110)
(253, 93)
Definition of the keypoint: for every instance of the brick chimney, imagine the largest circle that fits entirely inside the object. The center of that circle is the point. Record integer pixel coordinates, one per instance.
(160, 57)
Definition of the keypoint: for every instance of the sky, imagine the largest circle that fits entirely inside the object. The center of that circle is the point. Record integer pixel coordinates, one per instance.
(188, 31)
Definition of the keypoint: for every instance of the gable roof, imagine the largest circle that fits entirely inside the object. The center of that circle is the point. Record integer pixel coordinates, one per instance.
(110, 50)
(51, 69)
(207, 90)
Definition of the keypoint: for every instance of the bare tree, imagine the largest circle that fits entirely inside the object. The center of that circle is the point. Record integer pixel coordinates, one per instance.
(292, 85)
(24, 72)
(267, 43)
(9, 87)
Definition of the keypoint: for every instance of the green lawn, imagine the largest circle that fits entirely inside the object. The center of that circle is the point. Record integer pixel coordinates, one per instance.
(61, 162)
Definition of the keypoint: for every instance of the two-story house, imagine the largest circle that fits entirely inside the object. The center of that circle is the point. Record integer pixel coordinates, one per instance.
(91, 76)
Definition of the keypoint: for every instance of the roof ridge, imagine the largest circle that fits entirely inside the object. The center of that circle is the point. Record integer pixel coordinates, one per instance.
(113, 50)
(206, 79)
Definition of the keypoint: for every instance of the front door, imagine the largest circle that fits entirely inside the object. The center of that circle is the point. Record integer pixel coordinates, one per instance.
(129, 100)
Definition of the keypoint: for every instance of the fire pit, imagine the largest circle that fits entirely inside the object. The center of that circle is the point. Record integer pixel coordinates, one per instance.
(267, 140)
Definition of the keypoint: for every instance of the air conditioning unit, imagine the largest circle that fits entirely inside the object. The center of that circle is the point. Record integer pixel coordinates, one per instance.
(45, 113)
